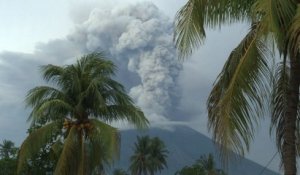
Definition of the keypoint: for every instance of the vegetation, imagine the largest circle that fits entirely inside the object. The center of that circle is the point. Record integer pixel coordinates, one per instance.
(43, 163)
(236, 100)
(45, 160)
(7, 149)
(149, 156)
(76, 112)
(204, 166)
(120, 172)
(8, 158)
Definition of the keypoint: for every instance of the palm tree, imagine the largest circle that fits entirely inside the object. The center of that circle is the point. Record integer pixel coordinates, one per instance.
(7, 149)
(209, 166)
(8, 162)
(191, 170)
(149, 156)
(204, 166)
(119, 172)
(77, 109)
(140, 163)
(235, 102)
(158, 155)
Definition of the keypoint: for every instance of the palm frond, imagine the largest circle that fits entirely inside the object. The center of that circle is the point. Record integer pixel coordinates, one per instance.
(93, 96)
(41, 99)
(128, 113)
(38, 94)
(51, 73)
(35, 141)
(56, 149)
(196, 15)
(64, 77)
(49, 108)
(98, 65)
(276, 18)
(189, 30)
(104, 143)
(234, 104)
(279, 101)
(294, 34)
(69, 158)
(71, 82)
(107, 99)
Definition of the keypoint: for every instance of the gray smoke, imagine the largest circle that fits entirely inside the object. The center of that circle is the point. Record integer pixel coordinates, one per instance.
(139, 38)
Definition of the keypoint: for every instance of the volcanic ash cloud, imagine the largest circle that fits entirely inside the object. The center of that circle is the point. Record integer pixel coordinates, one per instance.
(139, 37)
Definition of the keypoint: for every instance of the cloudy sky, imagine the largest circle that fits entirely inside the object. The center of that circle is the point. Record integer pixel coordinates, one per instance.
(137, 36)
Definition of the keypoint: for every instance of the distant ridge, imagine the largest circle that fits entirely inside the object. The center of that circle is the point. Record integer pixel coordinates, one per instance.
(185, 145)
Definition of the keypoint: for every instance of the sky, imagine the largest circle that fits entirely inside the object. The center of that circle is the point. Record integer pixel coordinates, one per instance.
(137, 35)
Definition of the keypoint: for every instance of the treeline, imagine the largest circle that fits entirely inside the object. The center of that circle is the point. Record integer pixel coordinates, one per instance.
(149, 157)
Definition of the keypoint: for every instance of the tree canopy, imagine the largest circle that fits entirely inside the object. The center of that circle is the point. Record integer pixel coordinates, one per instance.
(236, 102)
(76, 111)
(149, 156)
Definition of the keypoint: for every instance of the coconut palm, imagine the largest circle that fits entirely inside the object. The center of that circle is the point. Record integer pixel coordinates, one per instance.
(120, 172)
(149, 156)
(235, 102)
(7, 149)
(77, 109)
(191, 170)
(140, 163)
(204, 166)
(209, 166)
(8, 162)
(158, 155)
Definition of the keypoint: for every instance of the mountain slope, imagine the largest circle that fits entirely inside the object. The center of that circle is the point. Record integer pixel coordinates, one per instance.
(185, 145)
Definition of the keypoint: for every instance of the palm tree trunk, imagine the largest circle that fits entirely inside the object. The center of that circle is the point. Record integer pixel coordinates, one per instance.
(289, 136)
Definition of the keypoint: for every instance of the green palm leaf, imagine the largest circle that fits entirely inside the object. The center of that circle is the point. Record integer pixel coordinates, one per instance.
(49, 102)
(196, 15)
(235, 101)
(104, 143)
(280, 102)
(98, 63)
(69, 160)
(125, 112)
(40, 138)
(275, 19)
(294, 33)
(49, 108)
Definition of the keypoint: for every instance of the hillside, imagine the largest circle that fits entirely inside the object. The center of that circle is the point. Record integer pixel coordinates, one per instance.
(185, 145)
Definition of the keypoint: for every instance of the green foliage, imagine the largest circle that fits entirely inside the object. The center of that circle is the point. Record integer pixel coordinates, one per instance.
(120, 172)
(242, 90)
(196, 15)
(204, 166)
(75, 113)
(44, 160)
(8, 166)
(149, 156)
(191, 170)
(8, 160)
(235, 103)
(7, 149)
